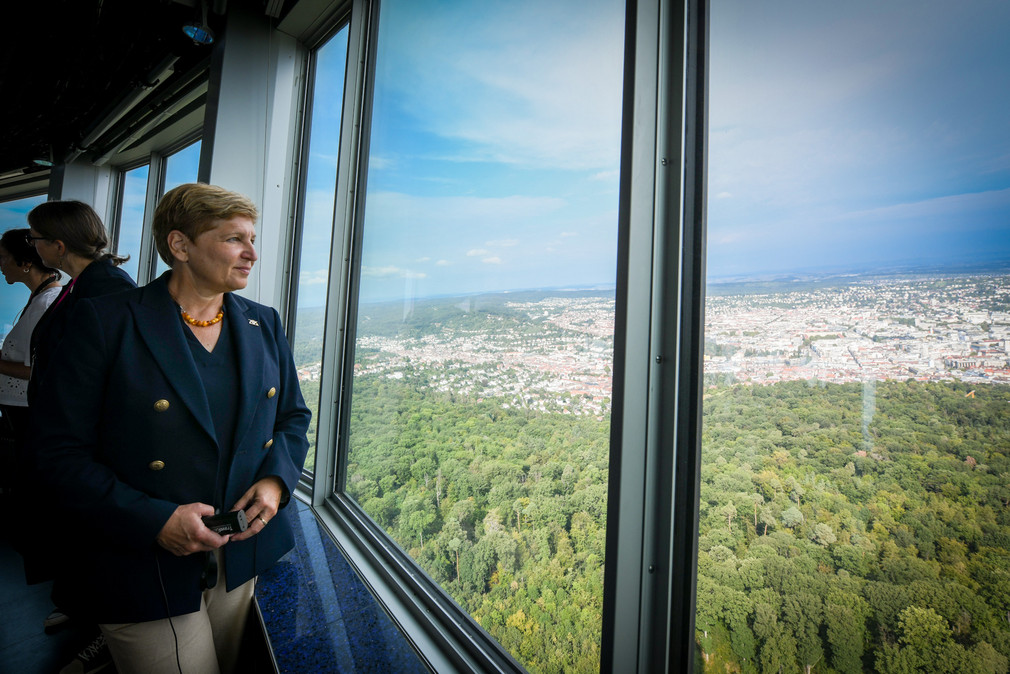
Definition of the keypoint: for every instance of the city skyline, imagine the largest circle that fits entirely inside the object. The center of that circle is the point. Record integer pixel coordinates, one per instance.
(553, 351)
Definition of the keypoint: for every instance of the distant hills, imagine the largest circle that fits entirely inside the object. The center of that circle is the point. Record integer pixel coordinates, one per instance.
(793, 281)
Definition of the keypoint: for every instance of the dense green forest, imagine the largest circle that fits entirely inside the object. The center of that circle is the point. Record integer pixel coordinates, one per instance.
(844, 528)
(855, 528)
(505, 509)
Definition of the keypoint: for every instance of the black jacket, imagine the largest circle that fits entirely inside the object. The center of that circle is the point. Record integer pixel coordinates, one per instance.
(101, 277)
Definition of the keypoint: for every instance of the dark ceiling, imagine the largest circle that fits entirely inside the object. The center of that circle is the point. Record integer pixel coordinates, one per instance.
(64, 64)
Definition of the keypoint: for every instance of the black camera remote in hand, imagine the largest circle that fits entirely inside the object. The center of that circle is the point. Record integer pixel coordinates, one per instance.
(233, 522)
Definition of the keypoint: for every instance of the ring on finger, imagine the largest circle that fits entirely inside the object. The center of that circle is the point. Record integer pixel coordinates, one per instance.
(260, 518)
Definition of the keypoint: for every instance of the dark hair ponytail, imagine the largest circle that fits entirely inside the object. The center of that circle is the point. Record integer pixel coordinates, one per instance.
(77, 225)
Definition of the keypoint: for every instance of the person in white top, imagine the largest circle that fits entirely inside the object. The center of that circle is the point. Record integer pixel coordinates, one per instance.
(20, 263)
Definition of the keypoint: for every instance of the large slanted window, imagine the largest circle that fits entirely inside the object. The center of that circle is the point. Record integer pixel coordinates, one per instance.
(315, 227)
(180, 167)
(477, 423)
(130, 230)
(14, 295)
(13, 213)
(140, 190)
(856, 447)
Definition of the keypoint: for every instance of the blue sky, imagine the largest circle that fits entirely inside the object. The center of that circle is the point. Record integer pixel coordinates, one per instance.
(13, 297)
(321, 172)
(842, 136)
(494, 151)
(858, 134)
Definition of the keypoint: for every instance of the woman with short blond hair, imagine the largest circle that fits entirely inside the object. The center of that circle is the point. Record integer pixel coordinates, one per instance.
(182, 402)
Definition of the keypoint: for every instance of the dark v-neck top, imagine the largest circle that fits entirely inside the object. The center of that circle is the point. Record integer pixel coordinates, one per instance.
(219, 373)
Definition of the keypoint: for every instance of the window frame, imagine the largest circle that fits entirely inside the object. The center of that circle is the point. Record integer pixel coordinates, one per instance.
(27, 194)
(655, 435)
(650, 570)
(118, 198)
(292, 263)
(303, 142)
(25, 186)
(157, 163)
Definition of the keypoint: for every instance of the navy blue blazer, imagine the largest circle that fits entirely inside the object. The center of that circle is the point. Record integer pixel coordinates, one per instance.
(101, 277)
(125, 436)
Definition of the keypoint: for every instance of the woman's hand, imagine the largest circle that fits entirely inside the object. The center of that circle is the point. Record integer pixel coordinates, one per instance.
(260, 504)
(15, 369)
(185, 533)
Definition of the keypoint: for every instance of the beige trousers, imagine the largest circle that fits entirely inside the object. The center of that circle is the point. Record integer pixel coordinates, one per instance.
(205, 642)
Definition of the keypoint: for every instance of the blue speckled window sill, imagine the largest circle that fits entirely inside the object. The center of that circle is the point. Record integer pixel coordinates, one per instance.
(320, 617)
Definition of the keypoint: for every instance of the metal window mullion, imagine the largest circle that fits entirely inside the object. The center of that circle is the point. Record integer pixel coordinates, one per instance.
(659, 566)
(293, 260)
(690, 355)
(335, 339)
(632, 561)
(147, 264)
(115, 209)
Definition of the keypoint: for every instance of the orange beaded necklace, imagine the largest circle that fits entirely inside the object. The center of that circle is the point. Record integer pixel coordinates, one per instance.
(201, 324)
(196, 323)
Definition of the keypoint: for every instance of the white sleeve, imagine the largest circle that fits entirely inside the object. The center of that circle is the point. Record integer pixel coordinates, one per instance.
(33, 312)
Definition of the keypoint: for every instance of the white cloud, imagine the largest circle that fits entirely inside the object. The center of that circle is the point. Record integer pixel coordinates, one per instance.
(400, 228)
(567, 234)
(375, 162)
(951, 206)
(325, 158)
(311, 278)
(848, 124)
(391, 271)
(729, 238)
(424, 259)
(319, 210)
(539, 97)
(381, 272)
(407, 210)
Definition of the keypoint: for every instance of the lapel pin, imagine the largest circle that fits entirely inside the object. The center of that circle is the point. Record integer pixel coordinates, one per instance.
(252, 322)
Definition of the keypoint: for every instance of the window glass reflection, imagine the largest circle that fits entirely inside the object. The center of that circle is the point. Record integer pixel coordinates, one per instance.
(853, 510)
(480, 409)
